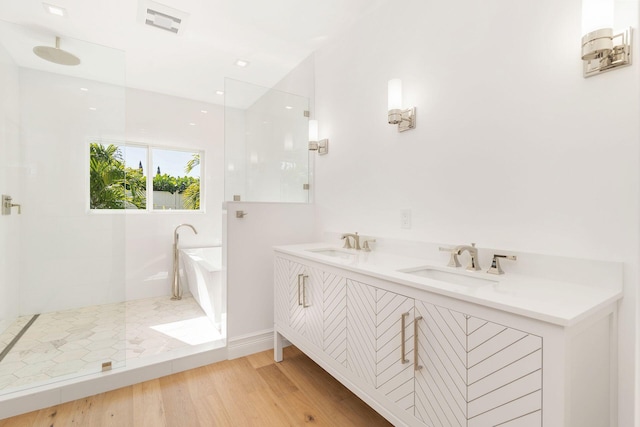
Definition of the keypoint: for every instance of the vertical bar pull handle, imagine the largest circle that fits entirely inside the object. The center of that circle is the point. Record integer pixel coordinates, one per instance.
(304, 291)
(416, 360)
(403, 358)
(299, 277)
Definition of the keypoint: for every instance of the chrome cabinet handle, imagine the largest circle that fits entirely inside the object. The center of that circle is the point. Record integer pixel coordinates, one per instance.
(416, 364)
(304, 292)
(299, 276)
(403, 358)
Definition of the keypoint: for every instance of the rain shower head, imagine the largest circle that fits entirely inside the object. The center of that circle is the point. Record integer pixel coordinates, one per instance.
(56, 55)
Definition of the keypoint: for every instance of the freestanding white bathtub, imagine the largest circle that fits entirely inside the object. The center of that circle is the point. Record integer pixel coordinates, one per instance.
(203, 270)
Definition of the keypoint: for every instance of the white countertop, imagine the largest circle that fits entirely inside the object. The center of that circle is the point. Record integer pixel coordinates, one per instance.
(558, 302)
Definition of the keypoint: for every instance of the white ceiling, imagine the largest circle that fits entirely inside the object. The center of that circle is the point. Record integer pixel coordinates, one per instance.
(273, 35)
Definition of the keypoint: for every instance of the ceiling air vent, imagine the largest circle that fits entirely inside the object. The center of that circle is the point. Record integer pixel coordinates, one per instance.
(161, 16)
(160, 20)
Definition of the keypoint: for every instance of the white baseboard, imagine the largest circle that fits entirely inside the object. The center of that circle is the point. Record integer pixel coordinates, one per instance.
(245, 345)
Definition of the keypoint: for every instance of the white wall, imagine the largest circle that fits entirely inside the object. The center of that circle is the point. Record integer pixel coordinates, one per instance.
(513, 148)
(249, 256)
(9, 184)
(87, 258)
(248, 251)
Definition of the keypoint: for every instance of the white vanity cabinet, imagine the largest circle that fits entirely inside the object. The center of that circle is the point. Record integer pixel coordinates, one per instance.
(299, 299)
(424, 359)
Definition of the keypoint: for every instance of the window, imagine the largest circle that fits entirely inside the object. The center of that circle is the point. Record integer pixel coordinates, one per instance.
(120, 177)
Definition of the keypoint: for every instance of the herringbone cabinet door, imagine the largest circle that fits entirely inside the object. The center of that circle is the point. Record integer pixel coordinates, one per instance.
(281, 300)
(335, 317)
(394, 367)
(475, 373)
(296, 307)
(313, 310)
(504, 376)
(441, 382)
(361, 330)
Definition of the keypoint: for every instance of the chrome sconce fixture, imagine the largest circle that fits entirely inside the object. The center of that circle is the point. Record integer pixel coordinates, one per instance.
(604, 51)
(321, 146)
(404, 118)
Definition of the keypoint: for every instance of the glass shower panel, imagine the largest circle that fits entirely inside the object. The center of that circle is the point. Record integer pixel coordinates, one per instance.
(67, 286)
(9, 184)
(266, 144)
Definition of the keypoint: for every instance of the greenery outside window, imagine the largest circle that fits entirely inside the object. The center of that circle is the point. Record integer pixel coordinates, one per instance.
(141, 177)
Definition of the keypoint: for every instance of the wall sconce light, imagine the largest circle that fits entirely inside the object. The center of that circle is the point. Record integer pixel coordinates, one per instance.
(404, 118)
(604, 51)
(322, 146)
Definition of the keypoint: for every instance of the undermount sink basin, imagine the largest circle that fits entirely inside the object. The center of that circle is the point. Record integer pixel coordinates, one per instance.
(450, 277)
(333, 253)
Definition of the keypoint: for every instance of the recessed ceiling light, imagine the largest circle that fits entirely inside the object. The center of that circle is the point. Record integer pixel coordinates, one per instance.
(219, 92)
(54, 10)
(242, 63)
(204, 111)
(84, 89)
(92, 108)
(289, 107)
(192, 124)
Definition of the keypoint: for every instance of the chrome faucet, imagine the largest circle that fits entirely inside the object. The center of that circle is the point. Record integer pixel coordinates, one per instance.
(176, 291)
(347, 243)
(473, 251)
(176, 237)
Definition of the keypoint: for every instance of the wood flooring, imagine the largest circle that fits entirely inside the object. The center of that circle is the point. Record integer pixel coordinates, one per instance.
(250, 391)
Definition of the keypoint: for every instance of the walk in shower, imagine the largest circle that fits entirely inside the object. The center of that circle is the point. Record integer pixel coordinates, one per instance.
(56, 259)
(86, 290)
(85, 282)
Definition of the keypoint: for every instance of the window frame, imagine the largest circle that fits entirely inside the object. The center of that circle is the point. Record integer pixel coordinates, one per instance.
(149, 177)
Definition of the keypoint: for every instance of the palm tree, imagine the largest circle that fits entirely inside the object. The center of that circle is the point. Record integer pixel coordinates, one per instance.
(106, 177)
(191, 164)
(112, 186)
(192, 193)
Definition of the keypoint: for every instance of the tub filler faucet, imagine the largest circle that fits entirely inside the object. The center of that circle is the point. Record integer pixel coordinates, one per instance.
(176, 292)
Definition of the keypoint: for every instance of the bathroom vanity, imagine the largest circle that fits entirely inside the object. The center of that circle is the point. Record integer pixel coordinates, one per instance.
(428, 345)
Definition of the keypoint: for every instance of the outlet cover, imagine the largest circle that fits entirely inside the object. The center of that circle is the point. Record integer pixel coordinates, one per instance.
(405, 218)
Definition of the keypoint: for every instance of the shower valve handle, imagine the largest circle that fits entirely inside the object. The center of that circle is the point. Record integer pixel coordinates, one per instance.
(7, 205)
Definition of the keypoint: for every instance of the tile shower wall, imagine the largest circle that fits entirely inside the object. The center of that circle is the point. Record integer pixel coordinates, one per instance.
(69, 258)
(511, 149)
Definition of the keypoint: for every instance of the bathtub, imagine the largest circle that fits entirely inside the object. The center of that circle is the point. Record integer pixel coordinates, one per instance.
(201, 276)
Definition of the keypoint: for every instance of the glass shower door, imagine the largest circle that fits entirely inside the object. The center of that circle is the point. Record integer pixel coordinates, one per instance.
(266, 144)
(62, 286)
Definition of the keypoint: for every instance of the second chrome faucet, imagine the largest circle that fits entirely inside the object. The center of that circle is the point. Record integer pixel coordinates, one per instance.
(473, 265)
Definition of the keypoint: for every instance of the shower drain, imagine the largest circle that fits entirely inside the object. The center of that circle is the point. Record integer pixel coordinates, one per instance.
(14, 341)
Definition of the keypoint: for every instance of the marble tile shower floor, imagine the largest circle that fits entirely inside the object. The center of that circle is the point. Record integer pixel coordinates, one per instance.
(68, 343)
